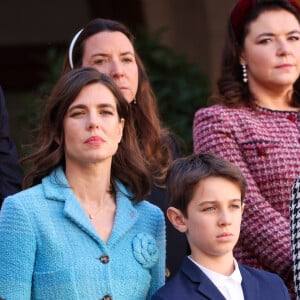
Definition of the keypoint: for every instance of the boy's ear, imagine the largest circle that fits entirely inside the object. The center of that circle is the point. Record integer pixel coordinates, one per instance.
(177, 219)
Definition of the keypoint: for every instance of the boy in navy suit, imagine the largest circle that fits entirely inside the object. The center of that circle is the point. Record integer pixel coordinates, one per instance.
(206, 196)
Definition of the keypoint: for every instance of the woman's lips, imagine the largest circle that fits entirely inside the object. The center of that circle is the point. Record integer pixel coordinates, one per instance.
(94, 140)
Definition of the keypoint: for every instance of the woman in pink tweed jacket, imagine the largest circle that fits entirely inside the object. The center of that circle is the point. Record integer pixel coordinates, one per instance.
(256, 125)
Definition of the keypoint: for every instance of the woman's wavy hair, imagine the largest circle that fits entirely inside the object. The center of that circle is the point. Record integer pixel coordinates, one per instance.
(152, 137)
(128, 164)
(232, 92)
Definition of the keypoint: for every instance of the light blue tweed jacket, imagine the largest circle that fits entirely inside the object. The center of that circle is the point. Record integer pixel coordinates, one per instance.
(50, 250)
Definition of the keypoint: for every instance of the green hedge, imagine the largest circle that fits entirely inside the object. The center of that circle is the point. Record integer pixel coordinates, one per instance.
(180, 87)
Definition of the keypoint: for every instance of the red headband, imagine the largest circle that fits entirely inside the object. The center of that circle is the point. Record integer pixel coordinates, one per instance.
(241, 10)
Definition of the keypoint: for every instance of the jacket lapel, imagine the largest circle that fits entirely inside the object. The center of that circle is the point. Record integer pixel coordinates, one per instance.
(56, 187)
(74, 211)
(249, 284)
(126, 216)
(205, 286)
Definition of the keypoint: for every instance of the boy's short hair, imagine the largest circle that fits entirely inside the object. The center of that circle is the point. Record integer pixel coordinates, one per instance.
(186, 173)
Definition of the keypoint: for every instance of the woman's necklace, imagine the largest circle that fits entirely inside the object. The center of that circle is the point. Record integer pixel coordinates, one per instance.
(93, 215)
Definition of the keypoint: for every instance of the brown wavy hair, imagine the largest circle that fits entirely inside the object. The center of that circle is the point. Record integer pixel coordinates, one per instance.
(128, 165)
(153, 139)
(232, 92)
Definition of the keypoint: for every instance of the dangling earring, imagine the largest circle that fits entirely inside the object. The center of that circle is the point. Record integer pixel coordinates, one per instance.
(245, 75)
(134, 101)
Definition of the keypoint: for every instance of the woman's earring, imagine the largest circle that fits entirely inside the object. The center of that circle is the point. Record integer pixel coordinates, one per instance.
(134, 101)
(245, 75)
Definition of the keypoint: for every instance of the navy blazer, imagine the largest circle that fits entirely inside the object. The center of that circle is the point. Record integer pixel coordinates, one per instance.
(191, 283)
(11, 174)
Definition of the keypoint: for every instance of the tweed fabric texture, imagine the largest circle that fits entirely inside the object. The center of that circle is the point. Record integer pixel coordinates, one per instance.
(295, 233)
(49, 249)
(265, 144)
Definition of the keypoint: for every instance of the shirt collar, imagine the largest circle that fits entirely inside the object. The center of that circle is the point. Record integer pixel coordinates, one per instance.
(217, 277)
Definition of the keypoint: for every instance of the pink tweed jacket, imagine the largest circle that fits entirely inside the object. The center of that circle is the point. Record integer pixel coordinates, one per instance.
(265, 144)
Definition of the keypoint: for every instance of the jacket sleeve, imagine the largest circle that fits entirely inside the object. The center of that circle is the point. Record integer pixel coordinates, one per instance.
(158, 271)
(11, 174)
(265, 232)
(17, 251)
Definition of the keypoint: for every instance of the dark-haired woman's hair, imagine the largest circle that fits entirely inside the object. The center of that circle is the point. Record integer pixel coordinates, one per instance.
(232, 92)
(128, 165)
(153, 139)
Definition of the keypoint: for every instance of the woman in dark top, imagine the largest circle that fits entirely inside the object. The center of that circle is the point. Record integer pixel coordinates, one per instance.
(108, 46)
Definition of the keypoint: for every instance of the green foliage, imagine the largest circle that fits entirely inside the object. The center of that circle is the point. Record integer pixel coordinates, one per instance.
(179, 86)
(34, 102)
(55, 58)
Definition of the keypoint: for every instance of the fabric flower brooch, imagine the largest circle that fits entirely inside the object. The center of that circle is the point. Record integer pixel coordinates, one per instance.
(145, 250)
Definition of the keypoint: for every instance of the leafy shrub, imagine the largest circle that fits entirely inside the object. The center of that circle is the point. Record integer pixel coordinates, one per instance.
(179, 86)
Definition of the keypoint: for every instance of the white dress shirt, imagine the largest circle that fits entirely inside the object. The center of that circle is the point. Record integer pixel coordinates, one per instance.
(230, 286)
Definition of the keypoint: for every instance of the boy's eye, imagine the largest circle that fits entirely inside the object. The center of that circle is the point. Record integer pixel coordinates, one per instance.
(210, 208)
(236, 206)
(294, 38)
